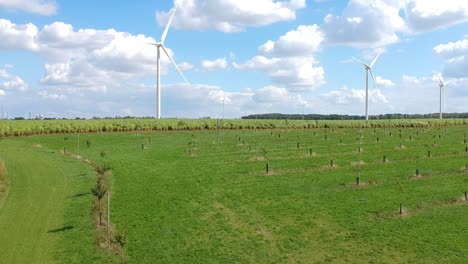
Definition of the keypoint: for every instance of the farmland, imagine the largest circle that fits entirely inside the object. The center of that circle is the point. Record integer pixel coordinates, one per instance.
(187, 193)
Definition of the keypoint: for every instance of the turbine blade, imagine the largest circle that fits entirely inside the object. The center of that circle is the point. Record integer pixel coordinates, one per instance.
(375, 59)
(164, 35)
(173, 62)
(441, 83)
(372, 75)
(152, 44)
(361, 62)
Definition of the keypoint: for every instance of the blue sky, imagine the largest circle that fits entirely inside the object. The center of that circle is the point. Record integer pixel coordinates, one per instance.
(89, 58)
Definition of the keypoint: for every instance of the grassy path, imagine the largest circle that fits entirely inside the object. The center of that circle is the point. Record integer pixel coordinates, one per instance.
(37, 224)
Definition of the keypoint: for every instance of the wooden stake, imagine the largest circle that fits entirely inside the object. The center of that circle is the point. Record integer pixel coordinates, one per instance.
(267, 169)
(108, 220)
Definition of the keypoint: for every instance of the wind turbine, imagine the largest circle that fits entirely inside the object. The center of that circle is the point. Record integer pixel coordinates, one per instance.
(159, 46)
(368, 69)
(441, 86)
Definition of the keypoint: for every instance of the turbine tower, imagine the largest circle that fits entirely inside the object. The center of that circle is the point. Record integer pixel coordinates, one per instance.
(368, 69)
(159, 46)
(441, 86)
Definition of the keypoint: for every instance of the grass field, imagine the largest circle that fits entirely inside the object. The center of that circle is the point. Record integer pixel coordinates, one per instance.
(189, 197)
(46, 217)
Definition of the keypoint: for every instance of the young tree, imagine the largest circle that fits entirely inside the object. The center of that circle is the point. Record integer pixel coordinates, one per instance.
(101, 187)
(99, 190)
(121, 240)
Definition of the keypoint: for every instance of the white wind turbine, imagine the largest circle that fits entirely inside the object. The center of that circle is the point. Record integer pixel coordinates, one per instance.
(368, 69)
(441, 95)
(159, 46)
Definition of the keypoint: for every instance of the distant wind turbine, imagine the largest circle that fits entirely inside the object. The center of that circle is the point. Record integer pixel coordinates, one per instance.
(441, 86)
(159, 46)
(368, 69)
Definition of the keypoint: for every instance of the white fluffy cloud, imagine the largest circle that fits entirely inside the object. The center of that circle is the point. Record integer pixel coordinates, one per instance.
(376, 23)
(15, 84)
(17, 37)
(204, 100)
(289, 61)
(300, 42)
(353, 96)
(455, 55)
(41, 7)
(213, 65)
(424, 15)
(381, 82)
(296, 73)
(364, 24)
(272, 94)
(230, 15)
(84, 59)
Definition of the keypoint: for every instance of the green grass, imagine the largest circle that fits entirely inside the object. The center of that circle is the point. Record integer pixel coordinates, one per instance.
(46, 217)
(186, 199)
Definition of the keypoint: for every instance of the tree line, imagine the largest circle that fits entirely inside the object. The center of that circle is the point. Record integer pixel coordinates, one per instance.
(352, 117)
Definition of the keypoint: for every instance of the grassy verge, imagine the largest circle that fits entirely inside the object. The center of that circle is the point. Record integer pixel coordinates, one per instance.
(46, 217)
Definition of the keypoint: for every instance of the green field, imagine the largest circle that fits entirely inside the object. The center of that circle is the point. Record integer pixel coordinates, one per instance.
(201, 197)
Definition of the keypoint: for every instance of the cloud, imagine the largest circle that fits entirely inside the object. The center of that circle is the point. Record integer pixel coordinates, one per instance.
(4, 74)
(85, 59)
(353, 96)
(381, 82)
(364, 24)
(17, 37)
(205, 100)
(455, 56)
(272, 94)
(377, 23)
(185, 66)
(40, 7)
(2, 92)
(217, 64)
(15, 84)
(423, 15)
(296, 73)
(300, 42)
(229, 15)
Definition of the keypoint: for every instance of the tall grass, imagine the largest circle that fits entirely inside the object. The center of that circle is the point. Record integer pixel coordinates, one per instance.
(3, 178)
(40, 127)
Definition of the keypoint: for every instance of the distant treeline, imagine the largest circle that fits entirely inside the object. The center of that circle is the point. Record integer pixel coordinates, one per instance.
(279, 116)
